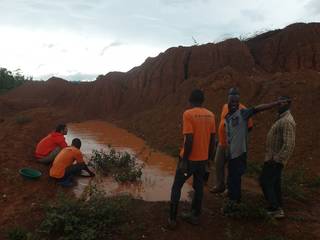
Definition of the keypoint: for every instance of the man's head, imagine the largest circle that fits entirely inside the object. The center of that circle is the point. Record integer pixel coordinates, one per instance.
(62, 128)
(233, 100)
(196, 98)
(284, 106)
(76, 142)
(234, 91)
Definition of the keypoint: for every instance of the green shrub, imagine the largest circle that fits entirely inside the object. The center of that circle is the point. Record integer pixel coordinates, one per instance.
(121, 165)
(19, 233)
(314, 183)
(98, 217)
(293, 184)
(10, 80)
(248, 210)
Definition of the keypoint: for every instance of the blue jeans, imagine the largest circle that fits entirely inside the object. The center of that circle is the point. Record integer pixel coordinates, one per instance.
(236, 168)
(72, 171)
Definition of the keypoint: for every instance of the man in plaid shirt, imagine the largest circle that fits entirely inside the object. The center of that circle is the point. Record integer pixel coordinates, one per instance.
(279, 147)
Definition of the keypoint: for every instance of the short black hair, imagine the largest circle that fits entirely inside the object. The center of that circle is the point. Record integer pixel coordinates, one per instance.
(76, 142)
(233, 91)
(197, 96)
(60, 127)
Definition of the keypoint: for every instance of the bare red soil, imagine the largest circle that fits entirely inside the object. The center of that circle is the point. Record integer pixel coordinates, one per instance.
(149, 100)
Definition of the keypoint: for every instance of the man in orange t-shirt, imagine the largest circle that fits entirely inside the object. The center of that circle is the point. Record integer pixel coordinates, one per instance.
(199, 141)
(220, 160)
(49, 147)
(68, 163)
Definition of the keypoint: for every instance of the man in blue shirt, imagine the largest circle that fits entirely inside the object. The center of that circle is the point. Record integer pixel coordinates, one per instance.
(236, 126)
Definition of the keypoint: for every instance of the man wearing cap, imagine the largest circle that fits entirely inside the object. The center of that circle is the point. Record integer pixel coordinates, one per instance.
(220, 159)
(199, 141)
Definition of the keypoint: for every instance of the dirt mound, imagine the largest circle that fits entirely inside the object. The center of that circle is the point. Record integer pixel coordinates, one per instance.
(295, 48)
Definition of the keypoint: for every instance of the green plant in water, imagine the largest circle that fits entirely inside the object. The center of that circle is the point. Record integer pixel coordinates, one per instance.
(121, 165)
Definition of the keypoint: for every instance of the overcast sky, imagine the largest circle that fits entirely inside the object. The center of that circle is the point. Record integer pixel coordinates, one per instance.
(80, 39)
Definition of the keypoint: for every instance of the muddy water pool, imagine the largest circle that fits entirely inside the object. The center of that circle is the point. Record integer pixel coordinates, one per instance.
(157, 173)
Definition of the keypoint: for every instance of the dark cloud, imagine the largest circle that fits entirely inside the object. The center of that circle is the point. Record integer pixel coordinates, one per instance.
(113, 44)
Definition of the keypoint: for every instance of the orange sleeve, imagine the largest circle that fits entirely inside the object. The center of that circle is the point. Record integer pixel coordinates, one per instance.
(187, 124)
(224, 112)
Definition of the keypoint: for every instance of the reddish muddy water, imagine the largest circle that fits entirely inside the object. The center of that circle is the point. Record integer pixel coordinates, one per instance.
(158, 171)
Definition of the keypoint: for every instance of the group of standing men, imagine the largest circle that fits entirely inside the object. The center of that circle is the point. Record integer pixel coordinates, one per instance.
(199, 132)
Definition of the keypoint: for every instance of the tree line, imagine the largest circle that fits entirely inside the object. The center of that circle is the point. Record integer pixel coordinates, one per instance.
(10, 80)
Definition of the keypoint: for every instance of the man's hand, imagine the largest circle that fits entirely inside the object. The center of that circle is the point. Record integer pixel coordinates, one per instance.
(92, 174)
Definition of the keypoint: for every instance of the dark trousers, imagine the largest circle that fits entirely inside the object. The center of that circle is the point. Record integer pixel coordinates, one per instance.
(236, 168)
(72, 171)
(197, 169)
(270, 182)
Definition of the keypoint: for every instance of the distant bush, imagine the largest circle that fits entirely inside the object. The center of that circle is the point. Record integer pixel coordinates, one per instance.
(9, 80)
(121, 165)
